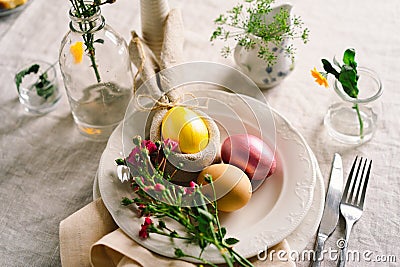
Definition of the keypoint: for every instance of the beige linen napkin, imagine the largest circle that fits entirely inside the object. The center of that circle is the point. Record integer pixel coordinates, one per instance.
(89, 237)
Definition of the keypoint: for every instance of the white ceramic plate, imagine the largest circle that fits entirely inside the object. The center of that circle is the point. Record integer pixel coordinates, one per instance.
(275, 210)
(300, 237)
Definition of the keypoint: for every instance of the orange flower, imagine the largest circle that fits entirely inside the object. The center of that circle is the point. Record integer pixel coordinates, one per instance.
(77, 52)
(319, 78)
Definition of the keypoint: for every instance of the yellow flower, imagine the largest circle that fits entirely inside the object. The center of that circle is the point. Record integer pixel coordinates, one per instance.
(77, 52)
(319, 78)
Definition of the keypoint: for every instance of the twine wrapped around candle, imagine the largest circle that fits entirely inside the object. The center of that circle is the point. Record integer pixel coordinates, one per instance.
(150, 61)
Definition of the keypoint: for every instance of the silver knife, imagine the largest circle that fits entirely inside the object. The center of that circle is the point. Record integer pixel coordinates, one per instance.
(330, 216)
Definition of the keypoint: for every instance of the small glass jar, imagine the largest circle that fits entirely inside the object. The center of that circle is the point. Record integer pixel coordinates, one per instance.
(38, 92)
(96, 69)
(353, 121)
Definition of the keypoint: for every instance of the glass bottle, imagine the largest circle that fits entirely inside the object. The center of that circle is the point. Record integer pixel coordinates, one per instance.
(353, 120)
(97, 74)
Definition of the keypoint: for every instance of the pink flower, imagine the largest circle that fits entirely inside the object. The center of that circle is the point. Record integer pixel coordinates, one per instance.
(170, 144)
(147, 221)
(159, 187)
(135, 188)
(151, 147)
(190, 190)
(144, 233)
(134, 156)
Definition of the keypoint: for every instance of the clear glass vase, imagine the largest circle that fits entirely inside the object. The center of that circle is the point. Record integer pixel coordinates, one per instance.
(353, 121)
(97, 74)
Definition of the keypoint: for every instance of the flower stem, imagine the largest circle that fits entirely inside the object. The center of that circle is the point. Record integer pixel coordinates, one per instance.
(216, 209)
(165, 234)
(241, 259)
(201, 259)
(359, 120)
(94, 65)
(84, 11)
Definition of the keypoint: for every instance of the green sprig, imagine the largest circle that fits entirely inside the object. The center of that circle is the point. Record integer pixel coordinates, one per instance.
(348, 78)
(200, 220)
(242, 23)
(43, 86)
(84, 9)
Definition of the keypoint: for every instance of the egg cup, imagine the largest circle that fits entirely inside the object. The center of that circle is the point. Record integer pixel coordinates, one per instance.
(190, 164)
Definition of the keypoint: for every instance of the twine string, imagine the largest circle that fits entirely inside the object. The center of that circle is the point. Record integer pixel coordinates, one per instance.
(164, 102)
(141, 67)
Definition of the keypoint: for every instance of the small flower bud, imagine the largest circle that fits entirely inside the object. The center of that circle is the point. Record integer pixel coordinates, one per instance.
(159, 187)
(179, 253)
(208, 178)
(162, 224)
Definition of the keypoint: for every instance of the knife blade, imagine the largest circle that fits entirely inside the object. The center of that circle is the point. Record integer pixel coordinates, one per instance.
(330, 215)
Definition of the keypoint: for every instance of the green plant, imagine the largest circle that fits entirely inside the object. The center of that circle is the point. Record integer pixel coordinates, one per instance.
(155, 196)
(347, 76)
(43, 86)
(85, 9)
(246, 21)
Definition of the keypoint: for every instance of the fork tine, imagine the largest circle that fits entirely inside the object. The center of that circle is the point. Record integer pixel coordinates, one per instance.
(360, 184)
(346, 189)
(365, 185)
(354, 183)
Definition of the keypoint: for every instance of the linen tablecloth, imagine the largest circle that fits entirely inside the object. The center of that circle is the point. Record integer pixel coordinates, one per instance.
(47, 168)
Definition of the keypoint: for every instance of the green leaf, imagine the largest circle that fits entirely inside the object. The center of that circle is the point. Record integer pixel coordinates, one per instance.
(126, 201)
(206, 215)
(203, 225)
(329, 68)
(231, 241)
(223, 231)
(45, 92)
(220, 20)
(348, 79)
(348, 58)
(216, 33)
(44, 87)
(120, 161)
(20, 75)
(101, 41)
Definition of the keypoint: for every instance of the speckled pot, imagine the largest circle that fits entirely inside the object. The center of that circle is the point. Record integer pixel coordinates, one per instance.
(264, 75)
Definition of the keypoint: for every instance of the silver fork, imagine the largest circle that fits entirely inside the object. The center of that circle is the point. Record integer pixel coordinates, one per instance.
(351, 206)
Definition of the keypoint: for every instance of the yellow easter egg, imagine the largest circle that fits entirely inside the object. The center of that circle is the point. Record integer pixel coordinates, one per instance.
(185, 127)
